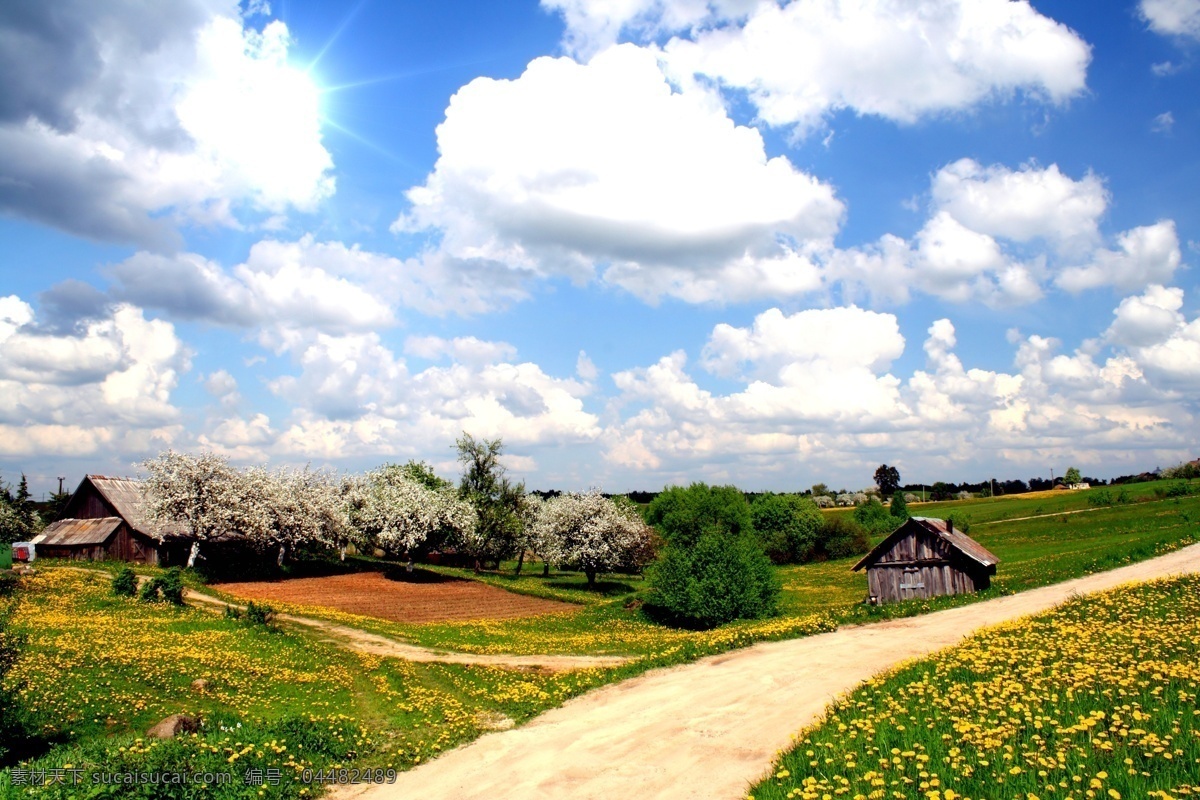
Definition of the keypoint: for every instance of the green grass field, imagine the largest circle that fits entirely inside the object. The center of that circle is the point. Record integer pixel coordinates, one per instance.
(1096, 699)
(97, 670)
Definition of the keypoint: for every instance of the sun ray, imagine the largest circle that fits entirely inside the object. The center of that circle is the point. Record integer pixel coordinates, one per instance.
(333, 37)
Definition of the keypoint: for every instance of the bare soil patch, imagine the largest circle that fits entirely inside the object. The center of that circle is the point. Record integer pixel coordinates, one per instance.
(421, 597)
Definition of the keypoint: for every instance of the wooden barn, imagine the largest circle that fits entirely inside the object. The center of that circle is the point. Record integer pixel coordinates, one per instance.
(926, 558)
(105, 520)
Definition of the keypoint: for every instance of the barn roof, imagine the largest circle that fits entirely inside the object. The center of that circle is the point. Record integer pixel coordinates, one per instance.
(944, 531)
(74, 532)
(126, 497)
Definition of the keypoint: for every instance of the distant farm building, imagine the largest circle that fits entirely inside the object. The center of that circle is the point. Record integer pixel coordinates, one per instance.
(105, 519)
(926, 558)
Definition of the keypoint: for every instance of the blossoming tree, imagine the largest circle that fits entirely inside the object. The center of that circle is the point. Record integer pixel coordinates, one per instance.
(391, 510)
(590, 531)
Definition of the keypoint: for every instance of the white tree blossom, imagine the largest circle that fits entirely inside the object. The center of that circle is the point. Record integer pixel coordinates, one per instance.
(823, 501)
(391, 510)
(589, 531)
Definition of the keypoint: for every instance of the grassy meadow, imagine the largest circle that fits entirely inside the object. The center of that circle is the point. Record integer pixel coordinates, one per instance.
(1095, 699)
(97, 670)
(1032, 552)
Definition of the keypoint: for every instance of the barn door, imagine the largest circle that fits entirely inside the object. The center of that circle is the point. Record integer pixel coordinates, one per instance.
(912, 583)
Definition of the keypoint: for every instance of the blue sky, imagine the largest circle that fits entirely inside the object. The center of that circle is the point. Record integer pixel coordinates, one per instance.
(642, 241)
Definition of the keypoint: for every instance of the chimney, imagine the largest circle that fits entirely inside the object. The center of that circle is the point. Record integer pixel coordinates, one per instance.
(949, 526)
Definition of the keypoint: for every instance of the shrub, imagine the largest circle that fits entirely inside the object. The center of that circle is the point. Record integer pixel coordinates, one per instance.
(961, 522)
(233, 612)
(716, 580)
(13, 727)
(1100, 497)
(683, 514)
(787, 526)
(841, 537)
(124, 583)
(167, 587)
(873, 517)
(899, 507)
(257, 614)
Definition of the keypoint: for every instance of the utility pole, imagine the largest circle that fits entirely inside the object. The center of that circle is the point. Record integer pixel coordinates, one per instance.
(60, 480)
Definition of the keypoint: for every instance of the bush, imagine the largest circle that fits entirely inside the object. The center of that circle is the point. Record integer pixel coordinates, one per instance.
(787, 526)
(873, 517)
(842, 537)
(124, 583)
(683, 514)
(899, 507)
(718, 579)
(259, 614)
(233, 612)
(167, 587)
(960, 522)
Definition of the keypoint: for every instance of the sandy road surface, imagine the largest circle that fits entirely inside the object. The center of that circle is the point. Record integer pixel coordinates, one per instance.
(709, 729)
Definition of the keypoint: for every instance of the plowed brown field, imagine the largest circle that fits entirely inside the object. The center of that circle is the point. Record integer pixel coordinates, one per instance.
(420, 599)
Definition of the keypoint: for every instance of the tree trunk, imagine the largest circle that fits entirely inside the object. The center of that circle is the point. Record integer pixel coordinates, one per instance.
(343, 552)
(282, 553)
(591, 576)
(545, 569)
(193, 555)
(520, 561)
(409, 566)
(478, 569)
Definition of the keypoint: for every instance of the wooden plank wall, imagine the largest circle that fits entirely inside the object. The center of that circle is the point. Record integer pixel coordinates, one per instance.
(919, 567)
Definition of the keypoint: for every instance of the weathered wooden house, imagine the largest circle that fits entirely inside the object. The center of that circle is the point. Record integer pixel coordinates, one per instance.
(105, 519)
(926, 558)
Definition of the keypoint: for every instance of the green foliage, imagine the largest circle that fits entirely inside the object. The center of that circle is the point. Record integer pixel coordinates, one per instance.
(19, 522)
(167, 587)
(1185, 471)
(716, 579)
(495, 498)
(960, 521)
(899, 507)
(842, 537)
(423, 474)
(787, 526)
(873, 517)
(1072, 475)
(682, 514)
(1176, 489)
(233, 612)
(124, 583)
(259, 613)
(940, 491)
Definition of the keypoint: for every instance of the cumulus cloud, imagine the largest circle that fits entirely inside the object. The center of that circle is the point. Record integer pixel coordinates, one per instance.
(1003, 237)
(136, 117)
(69, 393)
(464, 349)
(801, 61)
(1144, 255)
(1172, 17)
(573, 170)
(593, 25)
(797, 404)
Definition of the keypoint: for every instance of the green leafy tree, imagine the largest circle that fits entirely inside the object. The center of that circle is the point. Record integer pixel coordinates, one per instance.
(820, 490)
(787, 526)
(940, 491)
(715, 579)
(683, 514)
(496, 500)
(899, 508)
(1072, 476)
(872, 516)
(887, 479)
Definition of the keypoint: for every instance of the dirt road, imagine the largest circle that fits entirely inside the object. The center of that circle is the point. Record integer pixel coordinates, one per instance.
(711, 728)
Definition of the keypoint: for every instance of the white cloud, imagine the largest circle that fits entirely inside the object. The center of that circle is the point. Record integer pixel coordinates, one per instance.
(902, 61)
(1024, 204)
(223, 387)
(353, 397)
(1146, 255)
(1172, 17)
(148, 115)
(464, 349)
(593, 25)
(1159, 338)
(1163, 123)
(72, 393)
(576, 169)
(797, 407)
